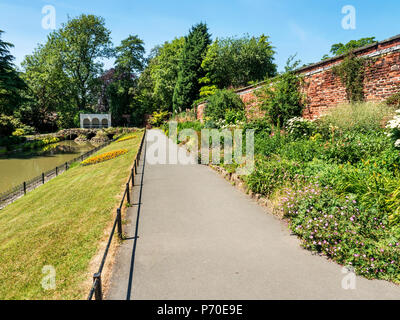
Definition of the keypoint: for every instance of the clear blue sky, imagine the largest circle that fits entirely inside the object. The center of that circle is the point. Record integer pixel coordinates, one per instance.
(305, 27)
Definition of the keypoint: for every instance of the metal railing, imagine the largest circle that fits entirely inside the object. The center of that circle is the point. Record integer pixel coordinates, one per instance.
(20, 190)
(96, 289)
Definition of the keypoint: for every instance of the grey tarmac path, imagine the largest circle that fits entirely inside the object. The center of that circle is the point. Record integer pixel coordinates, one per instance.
(201, 238)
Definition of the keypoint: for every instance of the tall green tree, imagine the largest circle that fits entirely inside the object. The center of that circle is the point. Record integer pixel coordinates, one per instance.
(130, 61)
(63, 74)
(51, 91)
(130, 55)
(11, 84)
(190, 71)
(83, 41)
(164, 72)
(157, 82)
(235, 62)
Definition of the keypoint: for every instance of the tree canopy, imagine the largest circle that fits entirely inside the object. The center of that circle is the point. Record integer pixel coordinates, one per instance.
(190, 71)
(11, 84)
(65, 76)
(236, 62)
(340, 48)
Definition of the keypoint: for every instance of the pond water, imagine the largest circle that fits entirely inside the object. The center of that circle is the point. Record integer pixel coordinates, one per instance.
(19, 167)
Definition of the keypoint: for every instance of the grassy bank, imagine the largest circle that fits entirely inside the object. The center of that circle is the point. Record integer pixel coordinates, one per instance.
(61, 224)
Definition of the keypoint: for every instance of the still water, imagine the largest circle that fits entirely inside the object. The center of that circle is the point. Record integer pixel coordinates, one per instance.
(19, 167)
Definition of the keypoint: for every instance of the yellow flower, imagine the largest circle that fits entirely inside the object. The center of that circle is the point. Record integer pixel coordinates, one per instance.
(104, 157)
(125, 138)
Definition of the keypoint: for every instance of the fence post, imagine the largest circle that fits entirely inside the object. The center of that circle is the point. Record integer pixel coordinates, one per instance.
(135, 167)
(24, 187)
(97, 289)
(119, 222)
(42, 178)
(133, 178)
(56, 171)
(128, 196)
(66, 166)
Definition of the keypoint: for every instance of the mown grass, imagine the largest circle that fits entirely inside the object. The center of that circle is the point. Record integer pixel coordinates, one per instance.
(61, 224)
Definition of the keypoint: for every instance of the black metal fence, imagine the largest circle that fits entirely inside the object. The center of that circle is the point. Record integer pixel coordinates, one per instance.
(22, 189)
(96, 289)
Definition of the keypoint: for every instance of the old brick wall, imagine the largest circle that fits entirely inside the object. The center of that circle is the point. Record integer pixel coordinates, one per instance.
(324, 90)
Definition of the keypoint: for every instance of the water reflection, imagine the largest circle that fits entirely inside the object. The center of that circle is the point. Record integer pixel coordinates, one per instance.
(18, 167)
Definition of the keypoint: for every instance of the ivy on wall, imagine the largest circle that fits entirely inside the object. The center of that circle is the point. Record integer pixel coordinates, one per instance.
(352, 73)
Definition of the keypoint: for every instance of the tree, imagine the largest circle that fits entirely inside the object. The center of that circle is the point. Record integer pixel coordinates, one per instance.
(120, 90)
(130, 55)
(50, 92)
(340, 48)
(235, 62)
(11, 84)
(63, 75)
(157, 82)
(164, 72)
(82, 42)
(194, 50)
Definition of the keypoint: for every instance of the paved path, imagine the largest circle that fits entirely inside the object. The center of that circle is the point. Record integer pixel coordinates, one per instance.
(200, 238)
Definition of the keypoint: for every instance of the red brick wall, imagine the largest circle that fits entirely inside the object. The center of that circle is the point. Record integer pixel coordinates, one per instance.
(324, 90)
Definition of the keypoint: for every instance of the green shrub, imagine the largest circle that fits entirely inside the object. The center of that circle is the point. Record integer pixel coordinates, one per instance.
(300, 150)
(233, 116)
(266, 145)
(394, 101)
(10, 141)
(195, 125)
(158, 118)
(8, 125)
(281, 97)
(259, 125)
(299, 127)
(19, 132)
(222, 102)
(271, 174)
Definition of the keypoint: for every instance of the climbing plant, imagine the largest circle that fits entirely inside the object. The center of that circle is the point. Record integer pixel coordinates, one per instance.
(352, 72)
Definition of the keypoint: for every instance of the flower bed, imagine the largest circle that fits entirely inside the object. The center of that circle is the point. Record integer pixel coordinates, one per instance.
(125, 138)
(336, 181)
(104, 157)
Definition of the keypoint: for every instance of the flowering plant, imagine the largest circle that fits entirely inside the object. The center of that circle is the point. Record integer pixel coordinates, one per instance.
(104, 157)
(343, 230)
(125, 138)
(299, 127)
(394, 129)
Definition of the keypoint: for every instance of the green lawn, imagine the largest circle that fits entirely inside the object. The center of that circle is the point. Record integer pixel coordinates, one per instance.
(61, 224)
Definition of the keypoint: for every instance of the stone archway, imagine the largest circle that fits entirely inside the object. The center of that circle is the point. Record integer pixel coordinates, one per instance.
(86, 123)
(104, 123)
(95, 123)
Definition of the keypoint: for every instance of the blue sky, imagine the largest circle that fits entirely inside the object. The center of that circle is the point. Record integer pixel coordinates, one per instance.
(305, 27)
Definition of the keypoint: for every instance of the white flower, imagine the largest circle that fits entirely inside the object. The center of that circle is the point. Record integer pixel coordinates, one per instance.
(397, 143)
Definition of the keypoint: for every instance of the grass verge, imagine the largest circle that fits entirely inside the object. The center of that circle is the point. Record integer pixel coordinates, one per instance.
(61, 224)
